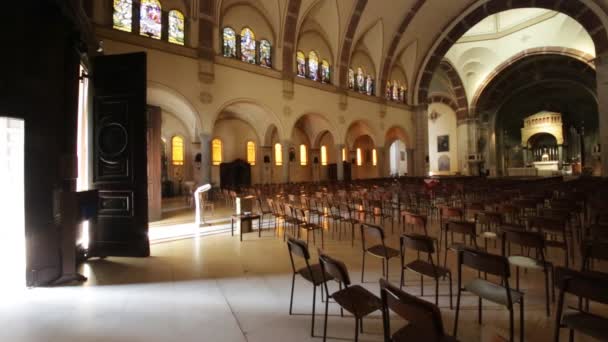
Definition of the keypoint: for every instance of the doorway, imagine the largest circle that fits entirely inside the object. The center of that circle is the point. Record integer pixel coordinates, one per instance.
(398, 158)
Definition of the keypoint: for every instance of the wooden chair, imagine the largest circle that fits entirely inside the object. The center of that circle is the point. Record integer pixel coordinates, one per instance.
(532, 241)
(588, 285)
(447, 214)
(314, 274)
(426, 245)
(464, 228)
(554, 230)
(378, 250)
(424, 319)
(501, 294)
(348, 218)
(354, 299)
(415, 222)
(304, 223)
(263, 212)
(489, 223)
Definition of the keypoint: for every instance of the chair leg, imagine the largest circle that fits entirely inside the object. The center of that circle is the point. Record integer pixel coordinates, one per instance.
(457, 312)
(479, 302)
(363, 268)
(402, 278)
(547, 292)
(421, 286)
(511, 325)
(521, 320)
(293, 283)
(356, 330)
(437, 291)
(383, 269)
(450, 278)
(571, 336)
(314, 298)
(325, 327)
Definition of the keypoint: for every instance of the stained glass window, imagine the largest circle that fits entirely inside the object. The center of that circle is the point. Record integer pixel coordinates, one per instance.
(323, 155)
(177, 150)
(402, 94)
(360, 85)
(313, 66)
(369, 85)
(374, 157)
(176, 27)
(303, 155)
(301, 61)
(216, 152)
(325, 72)
(343, 154)
(265, 53)
(150, 18)
(359, 157)
(278, 154)
(229, 38)
(123, 13)
(251, 153)
(248, 46)
(351, 79)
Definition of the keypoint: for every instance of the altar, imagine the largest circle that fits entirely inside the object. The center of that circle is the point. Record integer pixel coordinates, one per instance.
(547, 165)
(542, 142)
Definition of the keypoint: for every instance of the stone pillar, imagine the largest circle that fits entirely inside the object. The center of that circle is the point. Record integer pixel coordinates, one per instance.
(285, 145)
(205, 158)
(422, 140)
(601, 69)
(315, 167)
(524, 152)
(339, 162)
(410, 161)
(380, 161)
(560, 155)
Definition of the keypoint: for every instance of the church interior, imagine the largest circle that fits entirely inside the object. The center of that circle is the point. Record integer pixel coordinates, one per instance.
(304, 170)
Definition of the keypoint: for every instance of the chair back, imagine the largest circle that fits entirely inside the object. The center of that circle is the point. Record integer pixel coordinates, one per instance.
(542, 223)
(372, 232)
(449, 212)
(489, 218)
(593, 250)
(418, 243)
(298, 248)
(497, 265)
(590, 285)
(523, 238)
(423, 316)
(462, 227)
(335, 268)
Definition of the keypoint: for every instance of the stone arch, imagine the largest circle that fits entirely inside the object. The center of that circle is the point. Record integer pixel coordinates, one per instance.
(462, 104)
(245, 108)
(289, 37)
(578, 10)
(447, 100)
(255, 7)
(173, 101)
(396, 133)
(314, 124)
(359, 128)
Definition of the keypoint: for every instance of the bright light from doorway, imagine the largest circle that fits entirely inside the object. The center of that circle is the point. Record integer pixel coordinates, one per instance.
(12, 243)
(82, 183)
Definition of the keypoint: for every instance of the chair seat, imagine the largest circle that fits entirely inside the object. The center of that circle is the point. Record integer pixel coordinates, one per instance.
(489, 235)
(413, 333)
(357, 300)
(427, 269)
(527, 262)
(459, 246)
(492, 292)
(382, 252)
(316, 277)
(588, 324)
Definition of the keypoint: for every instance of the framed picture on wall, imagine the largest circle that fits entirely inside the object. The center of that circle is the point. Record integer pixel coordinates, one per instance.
(443, 143)
(443, 163)
(402, 156)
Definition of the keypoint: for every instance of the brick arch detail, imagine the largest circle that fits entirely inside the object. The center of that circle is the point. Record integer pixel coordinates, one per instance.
(549, 50)
(573, 8)
(390, 55)
(445, 99)
(289, 37)
(347, 45)
(462, 111)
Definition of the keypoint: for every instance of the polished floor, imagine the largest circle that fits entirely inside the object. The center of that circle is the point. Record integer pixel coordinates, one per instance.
(215, 288)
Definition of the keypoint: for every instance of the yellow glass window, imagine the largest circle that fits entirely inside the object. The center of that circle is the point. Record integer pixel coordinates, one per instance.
(251, 153)
(216, 152)
(374, 157)
(303, 155)
(177, 150)
(278, 154)
(323, 155)
(343, 154)
(359, 157)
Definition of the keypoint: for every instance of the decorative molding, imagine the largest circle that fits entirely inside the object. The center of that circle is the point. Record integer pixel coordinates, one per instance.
(341, 119)
(288, 90)
(206, 98)
(343, 101)
(287, 111)
(206, 71)
(434, 116)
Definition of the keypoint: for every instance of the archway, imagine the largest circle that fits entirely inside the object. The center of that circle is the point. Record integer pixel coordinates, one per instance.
(397, 141)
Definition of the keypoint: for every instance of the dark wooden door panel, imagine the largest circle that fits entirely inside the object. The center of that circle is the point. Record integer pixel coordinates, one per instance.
(119, 156)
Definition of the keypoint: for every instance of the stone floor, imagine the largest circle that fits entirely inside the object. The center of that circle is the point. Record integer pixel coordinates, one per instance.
(215, 288)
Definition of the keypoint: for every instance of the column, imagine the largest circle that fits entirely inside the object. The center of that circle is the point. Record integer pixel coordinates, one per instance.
(560, 155)
(339, 162)
(422, 140)
(205, 158)
(285, 145)
(380, 161)
(410, 161)
(524, 152)
(601, 68)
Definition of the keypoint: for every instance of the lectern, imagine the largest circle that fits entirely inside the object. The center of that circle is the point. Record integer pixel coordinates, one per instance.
(200, 217)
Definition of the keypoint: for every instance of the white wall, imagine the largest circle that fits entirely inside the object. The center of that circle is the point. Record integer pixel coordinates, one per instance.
(445, 124)
(397, 166)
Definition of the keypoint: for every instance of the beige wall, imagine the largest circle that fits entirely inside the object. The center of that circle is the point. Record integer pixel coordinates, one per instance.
(445, 124)
(172, 126)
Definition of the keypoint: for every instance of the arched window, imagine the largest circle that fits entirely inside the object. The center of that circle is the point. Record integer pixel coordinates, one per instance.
(251, 153)
(360, 85)
(247, 46)
(325, 72)
(123, 14)
(351, 79)
(150, 14)
(323, 155)
(216, 152)
(374, 157)
(229, 42)
(303, 155)
(278, 154)
(301, 62)
(265, 53)
(177, 150)
(359, 157)
(313, 66)
(176, 27)
(343, 154)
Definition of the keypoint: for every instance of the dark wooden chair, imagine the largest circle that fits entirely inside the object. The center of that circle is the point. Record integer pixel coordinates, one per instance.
(312, 273)
(447, 214)
(532, 241)
(588, 285)
(555, 232)
(464, 228)
(354, 299)
(426, 245)
(489, 223)
(424, 318)
(348, 218)
(373, 233)
(305, 223)
(414, 222)
(501, 294)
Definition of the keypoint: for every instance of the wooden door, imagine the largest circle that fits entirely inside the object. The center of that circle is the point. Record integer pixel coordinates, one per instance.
(119, 156)
(154, 163)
